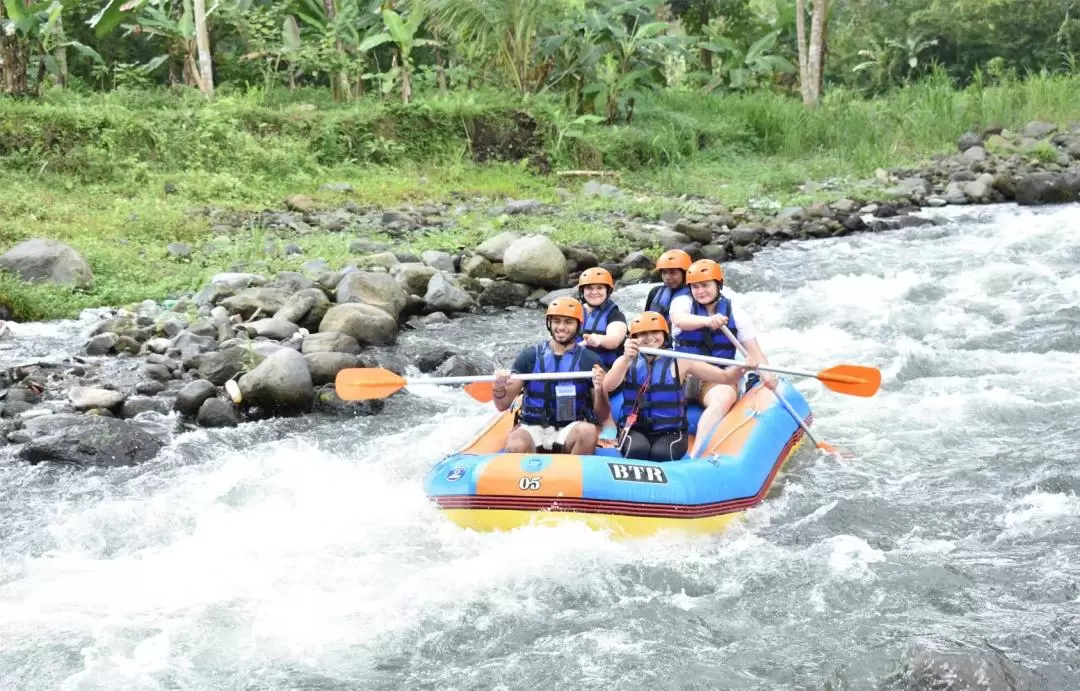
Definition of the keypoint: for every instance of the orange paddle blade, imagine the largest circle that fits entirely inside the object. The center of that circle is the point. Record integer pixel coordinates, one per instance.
(483, 391)
(367, 383)
(854, 380)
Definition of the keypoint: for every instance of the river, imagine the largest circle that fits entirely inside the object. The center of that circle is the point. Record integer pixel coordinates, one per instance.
(302, 554)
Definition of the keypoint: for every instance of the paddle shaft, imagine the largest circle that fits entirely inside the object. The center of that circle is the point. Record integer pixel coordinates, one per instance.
(798, 418)
(491, 377)
(724, 361)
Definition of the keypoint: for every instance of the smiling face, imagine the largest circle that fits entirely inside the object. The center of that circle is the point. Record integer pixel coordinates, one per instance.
(650, 339)
(705, 292)
(672, 278)
(563, 329)
(595, 294)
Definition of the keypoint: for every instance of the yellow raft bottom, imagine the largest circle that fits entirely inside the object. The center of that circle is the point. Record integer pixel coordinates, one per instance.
(618, 525)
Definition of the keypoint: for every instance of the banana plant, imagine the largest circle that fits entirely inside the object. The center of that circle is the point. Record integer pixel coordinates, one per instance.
(26, 28)
(740, 69)
(402, 33)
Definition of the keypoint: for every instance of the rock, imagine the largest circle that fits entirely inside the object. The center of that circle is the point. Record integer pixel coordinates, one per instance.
(446, 296)
(330, 342)
(1038, 130)
(373, 289)
(291, 282)
(935, 202)
(843, 206)
(477, 266)
(215, 412)
(441, 261)
(973, 155)
(301, 203)
(237, 280)
(413, 278)
(552, 295)
(746, 235)
(385, 260)
(504, 294)
(149, 388)
(1044, 188)
(324, 366)
(535, 260)
(911, 187)
(48, 261)
(638, 260)
(102, 344)
(191, 345)
(305, 308)
(178, 250)
(633, 276)
(222, 365)
(265, 301)
(978, 190)
(273, 328)
(87, 398)
(694, 231)
(339, 187)
(592, 188)
(584, 259)
(281, 383)
(521, 206)
(191, 397)
(954, 193)
(158, 345)
(94, 441)
(144, 404)
(465, 366)
(493, 249)
(368, 325)
(327, 402)
(854, 223)
(968, 140)
(156, 372)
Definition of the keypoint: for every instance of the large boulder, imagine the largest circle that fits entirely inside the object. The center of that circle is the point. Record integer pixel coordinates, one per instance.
(222, 365)
(535, 260)
(280, 383)
(192, 396)
(1045, 188)
(368, 325)
(95, 441)
(48, 261)
(325, 366)
(330, 342)
(305, 308)
(446, 296)
(273, 328)
(494, 248)
(375, 289)
(264, 301)
(88, 398)
(413, 278)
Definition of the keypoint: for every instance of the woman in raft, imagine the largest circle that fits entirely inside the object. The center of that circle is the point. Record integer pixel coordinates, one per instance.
(653, 423)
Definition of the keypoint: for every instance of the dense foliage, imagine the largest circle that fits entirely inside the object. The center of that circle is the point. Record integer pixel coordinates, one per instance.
(597, 55)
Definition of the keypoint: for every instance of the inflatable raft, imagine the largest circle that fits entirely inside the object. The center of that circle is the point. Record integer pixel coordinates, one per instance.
(482, 488)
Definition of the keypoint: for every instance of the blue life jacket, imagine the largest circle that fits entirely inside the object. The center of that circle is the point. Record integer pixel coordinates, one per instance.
(596, 322)
(661, 302)
(538, 407)
(662, 406)
(705, 341)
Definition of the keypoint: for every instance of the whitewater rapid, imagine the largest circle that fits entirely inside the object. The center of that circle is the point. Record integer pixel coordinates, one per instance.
(302, 554)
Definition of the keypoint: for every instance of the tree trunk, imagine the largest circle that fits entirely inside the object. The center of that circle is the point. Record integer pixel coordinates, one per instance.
(13, 59)
(817, 53)
(60, 54)
(202, 41)
(440, 71)
(804, 65)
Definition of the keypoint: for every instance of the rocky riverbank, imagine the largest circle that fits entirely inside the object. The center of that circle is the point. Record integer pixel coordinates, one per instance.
(284, 336)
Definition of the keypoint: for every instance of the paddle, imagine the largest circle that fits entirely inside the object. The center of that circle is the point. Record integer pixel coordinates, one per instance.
(827, 448)
(367, 383)
(853, 380)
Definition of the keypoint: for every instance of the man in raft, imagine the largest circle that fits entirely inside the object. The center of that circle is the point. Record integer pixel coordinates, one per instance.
(556, 416)
(653, 420)
(672, 265)
(697, 319)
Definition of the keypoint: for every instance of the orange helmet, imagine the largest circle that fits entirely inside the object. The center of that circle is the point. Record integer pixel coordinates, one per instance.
(704, 270)
(596, 276)
(566, 307)
(648, 321)
(674, 259)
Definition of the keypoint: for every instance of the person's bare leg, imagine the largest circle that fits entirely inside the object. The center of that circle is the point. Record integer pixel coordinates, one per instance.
(582, 439)
(520, 441)
(717, 401)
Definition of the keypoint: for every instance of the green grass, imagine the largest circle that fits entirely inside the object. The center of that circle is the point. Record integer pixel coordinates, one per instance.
(90, 170)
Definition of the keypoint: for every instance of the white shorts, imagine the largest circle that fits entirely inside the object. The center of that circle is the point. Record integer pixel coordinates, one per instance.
(545, 438)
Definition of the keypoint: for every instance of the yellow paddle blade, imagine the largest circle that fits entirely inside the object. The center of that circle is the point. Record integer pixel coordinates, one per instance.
(483, 391)
(854, 380)
(367, 383)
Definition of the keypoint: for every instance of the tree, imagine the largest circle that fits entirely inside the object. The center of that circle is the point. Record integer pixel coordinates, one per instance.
(812, 57)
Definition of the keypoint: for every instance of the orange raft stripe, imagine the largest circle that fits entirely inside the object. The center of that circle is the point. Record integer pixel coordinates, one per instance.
(611, 506)
(505, 476)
